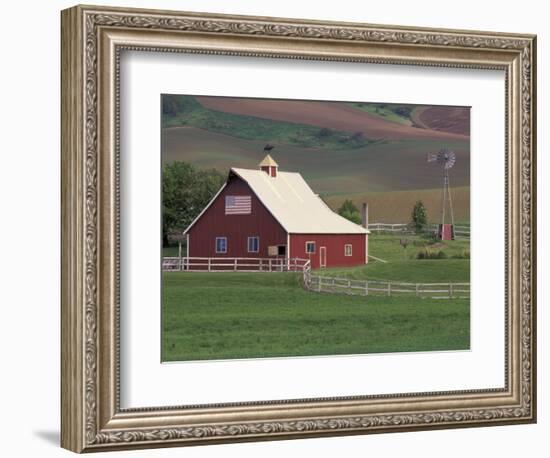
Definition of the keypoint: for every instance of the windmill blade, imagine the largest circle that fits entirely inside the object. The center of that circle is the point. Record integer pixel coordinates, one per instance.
(444, 157)
(450, 161)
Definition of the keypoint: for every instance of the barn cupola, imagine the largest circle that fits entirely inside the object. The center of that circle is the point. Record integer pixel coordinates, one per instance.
(269, 166)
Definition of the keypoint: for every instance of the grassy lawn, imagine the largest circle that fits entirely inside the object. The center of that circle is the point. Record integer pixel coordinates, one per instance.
(251, 315)
(402, 264)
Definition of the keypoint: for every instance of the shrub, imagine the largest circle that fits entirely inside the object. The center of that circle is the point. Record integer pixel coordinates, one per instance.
(464, 255)
(419, 217)
(324, 132)
(426, 253)
(349, 211)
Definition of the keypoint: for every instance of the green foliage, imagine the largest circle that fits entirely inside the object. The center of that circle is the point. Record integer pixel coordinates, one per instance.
(349, 211)
(171, 104)
(186, 190)
(182, 110)
(419, 216)
(324, 133)
(400, 114)
(246, 315)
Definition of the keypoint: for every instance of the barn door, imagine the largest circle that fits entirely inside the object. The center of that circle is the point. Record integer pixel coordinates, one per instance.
(323, 256)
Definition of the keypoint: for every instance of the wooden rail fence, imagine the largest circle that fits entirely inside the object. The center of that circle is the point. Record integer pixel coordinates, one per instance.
(336, 285)
(317, 283)
(223, 264)
(461, 231)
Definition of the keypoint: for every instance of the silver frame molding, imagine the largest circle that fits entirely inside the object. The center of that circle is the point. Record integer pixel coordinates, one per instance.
(92, 40)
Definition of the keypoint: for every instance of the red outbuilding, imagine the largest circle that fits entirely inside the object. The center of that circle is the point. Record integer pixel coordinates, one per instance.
(266, 213)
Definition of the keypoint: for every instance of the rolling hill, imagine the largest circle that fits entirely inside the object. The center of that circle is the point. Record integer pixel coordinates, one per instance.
(386, 164)
(331, 115)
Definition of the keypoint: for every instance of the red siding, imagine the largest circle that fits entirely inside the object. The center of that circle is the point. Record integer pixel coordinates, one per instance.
(334, 244)
(237, 228)
(270, 170)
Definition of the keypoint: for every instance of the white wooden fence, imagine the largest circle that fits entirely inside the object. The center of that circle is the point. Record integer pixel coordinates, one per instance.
(224, 264)
(317, 283)
(461, 231)
(335, 285)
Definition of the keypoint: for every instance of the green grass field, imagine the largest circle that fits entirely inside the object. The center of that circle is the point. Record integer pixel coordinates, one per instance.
(403, 266)
(253, 315)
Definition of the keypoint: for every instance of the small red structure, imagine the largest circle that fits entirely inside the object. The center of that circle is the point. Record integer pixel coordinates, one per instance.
(446, 232)
(268, 213)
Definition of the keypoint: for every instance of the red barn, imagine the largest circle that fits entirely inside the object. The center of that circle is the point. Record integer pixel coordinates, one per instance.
(267, 213)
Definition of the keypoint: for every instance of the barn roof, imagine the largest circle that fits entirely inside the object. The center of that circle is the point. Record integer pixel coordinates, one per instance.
(294, 204)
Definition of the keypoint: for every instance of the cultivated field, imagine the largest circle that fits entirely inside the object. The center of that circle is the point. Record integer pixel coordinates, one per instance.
(379, 167)
(331, 115)
(447, 119)
(396, 206)
(250, 315)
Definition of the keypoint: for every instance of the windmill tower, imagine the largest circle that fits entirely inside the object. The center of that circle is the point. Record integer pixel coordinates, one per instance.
(445, 159)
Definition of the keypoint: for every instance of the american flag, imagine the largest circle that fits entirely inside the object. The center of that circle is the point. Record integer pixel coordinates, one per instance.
(238, 205)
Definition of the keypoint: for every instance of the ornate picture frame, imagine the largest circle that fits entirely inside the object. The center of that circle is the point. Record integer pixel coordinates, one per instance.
(92, 41)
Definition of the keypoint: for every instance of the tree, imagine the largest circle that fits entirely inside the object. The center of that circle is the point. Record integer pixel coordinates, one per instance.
(324, 132)
(186, 190)
(349, 211)
(419, 216)
(169, 105)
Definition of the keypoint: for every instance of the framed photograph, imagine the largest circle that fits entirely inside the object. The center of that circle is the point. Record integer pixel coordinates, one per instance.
(279, 228)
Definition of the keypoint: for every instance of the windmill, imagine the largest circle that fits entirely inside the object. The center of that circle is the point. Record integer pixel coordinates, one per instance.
(445, 159)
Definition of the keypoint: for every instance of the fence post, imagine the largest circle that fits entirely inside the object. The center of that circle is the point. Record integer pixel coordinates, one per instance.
(417, 288)
(450, 290)
(389, 289)
(235, 265)
(366, 287)
(349, 287)
(332, 286)
(209, 264)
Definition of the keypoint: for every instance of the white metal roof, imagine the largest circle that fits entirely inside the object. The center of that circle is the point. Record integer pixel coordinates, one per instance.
(294, 205)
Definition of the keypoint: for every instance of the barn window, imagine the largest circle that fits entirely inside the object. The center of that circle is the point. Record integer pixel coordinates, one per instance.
(253, 244)
(221, 244)
(238, 205)
(310, 247)
(347, 250)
